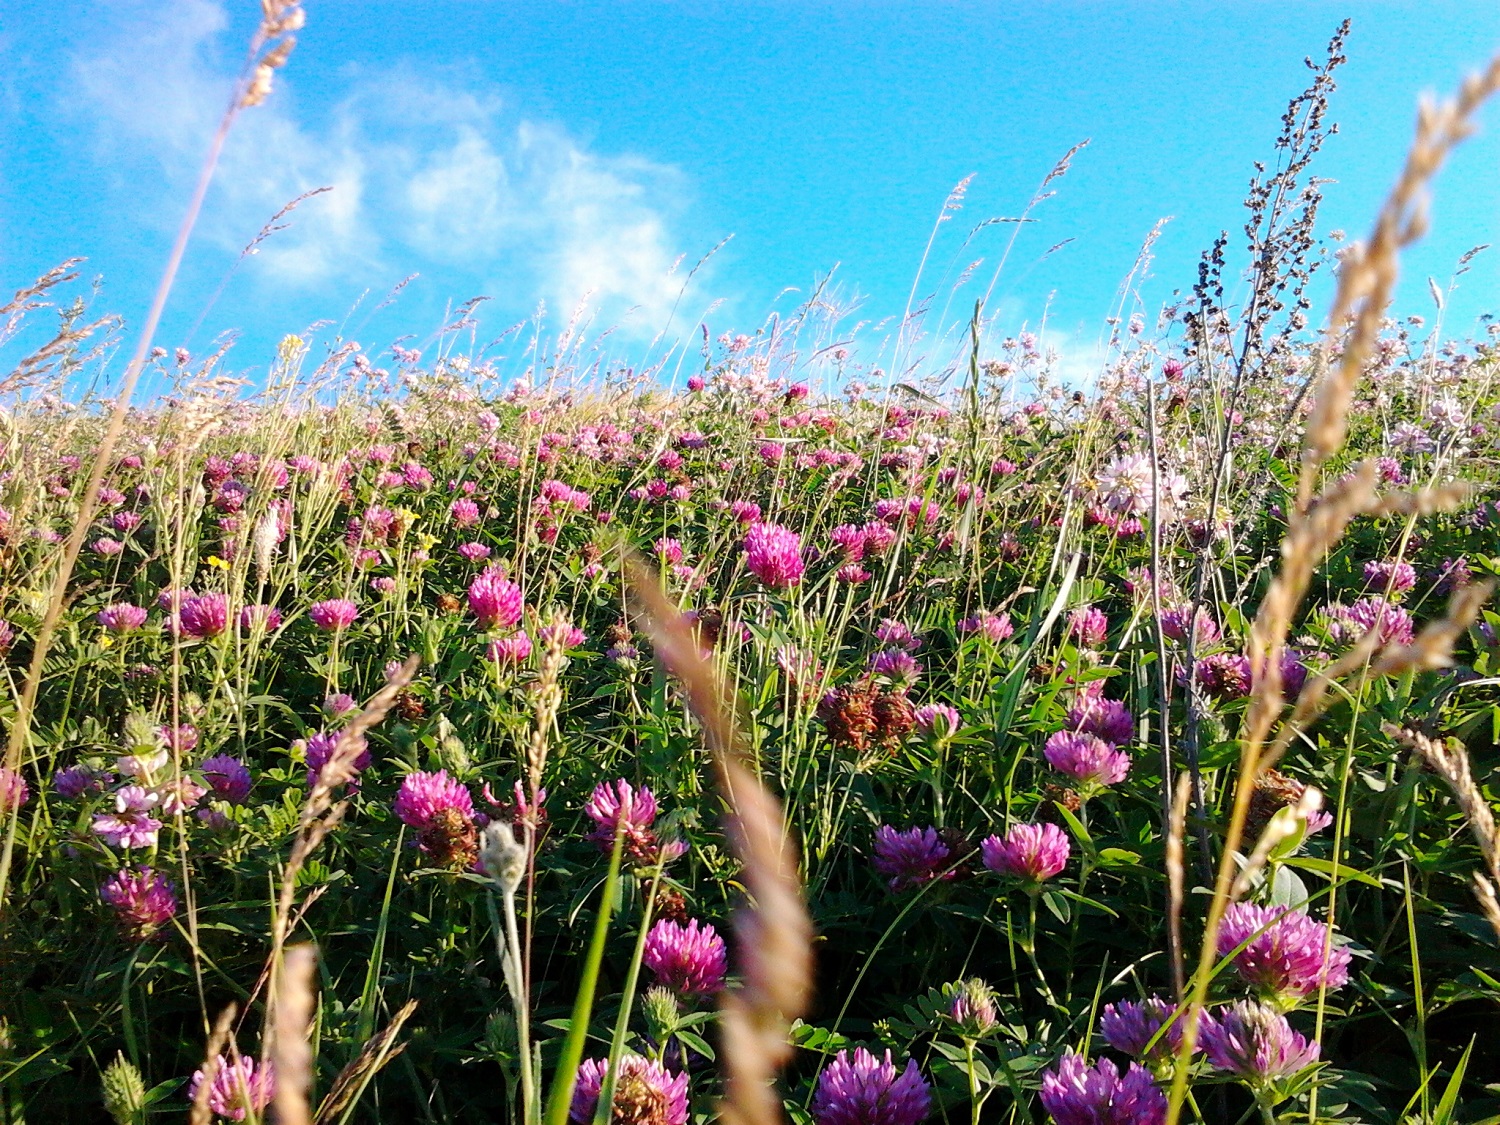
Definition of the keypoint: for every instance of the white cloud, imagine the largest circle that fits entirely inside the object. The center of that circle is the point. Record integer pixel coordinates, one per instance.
(427, 177)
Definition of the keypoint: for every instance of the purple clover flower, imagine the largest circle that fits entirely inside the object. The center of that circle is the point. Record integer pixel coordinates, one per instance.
(142, 900)
(424, 798)
(1088, 627)
(1286, 955)
(334, 615)
(1174, 626)
(1224, 675)
(910, 858)
(227, 778)
(1032, 852)
(206, 615)
(77, 781)
(320, 748)
(512, 649)
(896, 665)
(495, 601)
(238, 1089)
(1076, 1094)
(646, 1093)
(266, 617)
(122, 617)
(896, 634)
(1393, 576)
(1130, 1026)
(1086, 758)
(774, 555)
(1255, 1042)
(860, 1089)
(619, 807)
(938, 720)
(14, 791)
(973, 1006)
(995, 626)
(1103, 718)
(689, 959)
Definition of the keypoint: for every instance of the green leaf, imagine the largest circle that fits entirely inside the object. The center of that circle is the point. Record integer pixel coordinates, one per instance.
(1326, 867)
(1443, 1114)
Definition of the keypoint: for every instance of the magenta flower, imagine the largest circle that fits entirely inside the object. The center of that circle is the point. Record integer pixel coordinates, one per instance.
(896, 665)
(206, 615)
(14, 791)
(474, 552)
(333, 616)
(227, 778)
(1130, 1026)
(1224, 675)
(426, 797)
(1075, 1094)
(510, 650)
(863, 1090)
(938, 720)
(319, 749)
(465, 512)
(1088, 627)
(689, 959)
(1348, 624)
(1086, 758)
(1033, 852)
(746, 511)
(267, 617)
(646, 1093)
(179, 794)
(494, 601)
(774, 555)
(1286, 954)
(878, 537)
(1255, 1043)
(994, 626)
(620, 808)
(850, 540)
(238, 1089)
(122, 617)
(910, 858)
(182, 738)
(1396, 577)
(973, 1006)
(570, 635)
(896, 634)
(1104, 718)
(142, 900)
(1174, 626)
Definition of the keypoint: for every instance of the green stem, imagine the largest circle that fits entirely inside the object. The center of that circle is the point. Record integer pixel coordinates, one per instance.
(627, 1000)
(566, 1078)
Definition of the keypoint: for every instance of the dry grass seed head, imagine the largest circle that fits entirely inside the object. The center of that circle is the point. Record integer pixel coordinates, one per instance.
(774, 928)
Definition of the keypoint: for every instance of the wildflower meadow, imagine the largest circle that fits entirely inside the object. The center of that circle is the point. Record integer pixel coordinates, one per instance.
(763, 734)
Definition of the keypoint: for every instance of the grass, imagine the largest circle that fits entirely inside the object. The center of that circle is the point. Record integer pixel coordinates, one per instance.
(427, 906)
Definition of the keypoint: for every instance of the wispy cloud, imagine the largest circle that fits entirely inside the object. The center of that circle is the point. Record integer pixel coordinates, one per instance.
(434, 177)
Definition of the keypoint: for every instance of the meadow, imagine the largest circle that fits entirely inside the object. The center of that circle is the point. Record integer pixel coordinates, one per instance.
(763, 735)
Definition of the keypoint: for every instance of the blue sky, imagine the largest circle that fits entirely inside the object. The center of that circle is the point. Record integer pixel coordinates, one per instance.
(537, 152)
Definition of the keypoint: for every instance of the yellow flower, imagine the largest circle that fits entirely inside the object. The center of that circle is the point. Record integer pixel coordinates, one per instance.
(216, 562)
